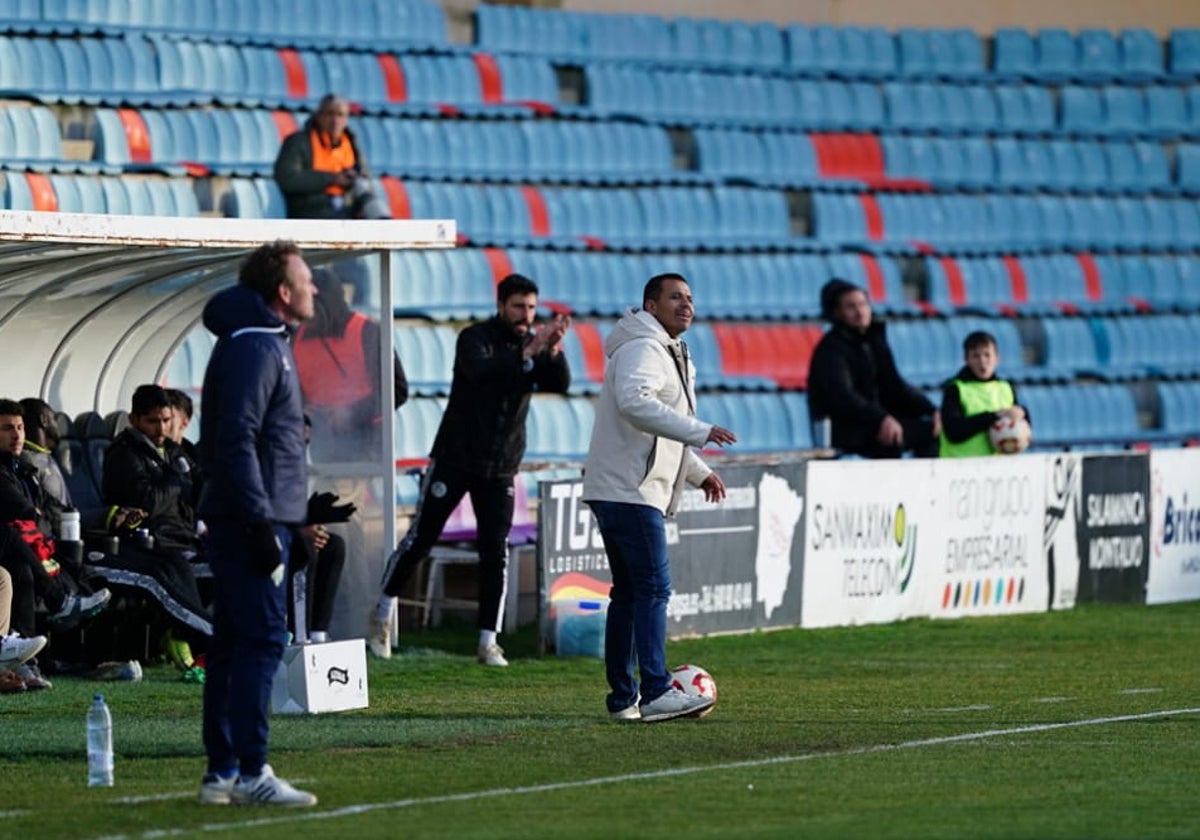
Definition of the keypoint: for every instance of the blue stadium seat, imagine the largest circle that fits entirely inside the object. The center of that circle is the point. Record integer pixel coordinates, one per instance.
(67, 193)
(116, 196)
(1179, 406)
(1141, 54)
(1057, 54)
(1082, 109)
(1069, 347)
(1187, 161)
(1124, 109)
(1014, 53)
(1099, 54)
(801, 48)
(1166, 110)
(1185, 52)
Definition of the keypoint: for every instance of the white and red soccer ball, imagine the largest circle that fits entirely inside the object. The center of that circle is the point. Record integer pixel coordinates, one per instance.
(1009, 437)
(694, 680)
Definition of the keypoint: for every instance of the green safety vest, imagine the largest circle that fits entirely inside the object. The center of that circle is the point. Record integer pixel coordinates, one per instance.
(976, 398)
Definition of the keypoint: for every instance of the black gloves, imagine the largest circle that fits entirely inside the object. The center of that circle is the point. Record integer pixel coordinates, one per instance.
(322, 510)
(268, 553)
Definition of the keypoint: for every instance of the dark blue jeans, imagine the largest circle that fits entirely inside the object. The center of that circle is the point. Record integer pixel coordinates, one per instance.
(635, 636)
(249, 633)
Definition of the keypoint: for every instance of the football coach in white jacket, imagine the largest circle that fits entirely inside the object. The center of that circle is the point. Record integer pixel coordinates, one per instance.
(640, 455)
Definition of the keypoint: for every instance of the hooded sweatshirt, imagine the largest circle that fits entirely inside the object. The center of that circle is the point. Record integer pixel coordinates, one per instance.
(645, 419)
(251, 421)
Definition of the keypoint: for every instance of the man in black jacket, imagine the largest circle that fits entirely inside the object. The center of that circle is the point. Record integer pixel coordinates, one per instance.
(854, 382)
(478, 449)
(145, 469)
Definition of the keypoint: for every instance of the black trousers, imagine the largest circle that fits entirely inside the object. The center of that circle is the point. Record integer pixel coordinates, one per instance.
(918, 439)
(321, 579)
(164, 576)
(441, 490)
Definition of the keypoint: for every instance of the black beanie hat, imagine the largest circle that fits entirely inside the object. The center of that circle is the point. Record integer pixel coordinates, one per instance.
(832, 292)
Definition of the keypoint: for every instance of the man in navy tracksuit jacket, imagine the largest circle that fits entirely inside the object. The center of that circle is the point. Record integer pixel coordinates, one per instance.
(252, 448)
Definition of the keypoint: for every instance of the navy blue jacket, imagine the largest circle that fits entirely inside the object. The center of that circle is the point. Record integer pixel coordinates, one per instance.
(252, 422)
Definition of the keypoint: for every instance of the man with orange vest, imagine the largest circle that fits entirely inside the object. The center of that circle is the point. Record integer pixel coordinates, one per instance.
(337, 358)
(322, 172)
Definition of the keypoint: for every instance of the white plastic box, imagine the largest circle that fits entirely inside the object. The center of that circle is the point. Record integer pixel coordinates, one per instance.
(579, 626)
(327, 677)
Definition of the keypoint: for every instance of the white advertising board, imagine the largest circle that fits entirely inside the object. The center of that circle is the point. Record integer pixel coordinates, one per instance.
(1174, 526)
(981, 551)
(862, 558)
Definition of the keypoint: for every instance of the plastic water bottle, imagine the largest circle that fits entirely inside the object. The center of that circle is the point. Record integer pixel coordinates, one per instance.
(99, 744)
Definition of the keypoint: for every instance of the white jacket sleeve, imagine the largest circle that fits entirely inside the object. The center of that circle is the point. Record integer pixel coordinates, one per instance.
(696, 469)
(639, 376)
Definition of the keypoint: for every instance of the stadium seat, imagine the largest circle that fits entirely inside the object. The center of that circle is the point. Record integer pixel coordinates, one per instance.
(1184, 48)
(1141, 55)
(1014, 53)
(1057, 54)
(1099, 54)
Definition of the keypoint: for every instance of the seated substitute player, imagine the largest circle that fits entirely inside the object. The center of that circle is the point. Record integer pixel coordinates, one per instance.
(975, 399)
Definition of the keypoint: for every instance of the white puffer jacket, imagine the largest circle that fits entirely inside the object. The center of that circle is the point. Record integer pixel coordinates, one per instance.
(641, 450)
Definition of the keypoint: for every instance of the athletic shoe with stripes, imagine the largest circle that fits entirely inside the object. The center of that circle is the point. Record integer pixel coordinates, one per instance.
(216, 789)
(268, 789)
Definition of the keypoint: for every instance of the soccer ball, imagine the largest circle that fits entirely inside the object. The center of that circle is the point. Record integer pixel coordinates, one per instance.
(1008, 437)
(694, 680)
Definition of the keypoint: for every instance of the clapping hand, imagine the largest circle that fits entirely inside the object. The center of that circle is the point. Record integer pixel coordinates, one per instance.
(549, 336)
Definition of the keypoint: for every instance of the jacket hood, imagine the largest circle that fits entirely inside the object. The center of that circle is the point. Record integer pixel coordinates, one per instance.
(635, 324)
(239, 308)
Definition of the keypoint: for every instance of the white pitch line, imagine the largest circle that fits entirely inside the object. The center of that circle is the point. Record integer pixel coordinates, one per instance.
(978, 707)
(493, 793)
(1140, 691)
(8, 815)
(1053, 699)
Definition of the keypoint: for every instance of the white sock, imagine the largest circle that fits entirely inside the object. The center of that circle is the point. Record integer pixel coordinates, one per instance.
(487, 637)
(383, 610)
(318, 637)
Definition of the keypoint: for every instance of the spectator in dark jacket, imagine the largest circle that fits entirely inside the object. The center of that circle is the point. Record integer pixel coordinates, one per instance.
(854, 382)
(478, 449)
(321, 170)
(252, 448)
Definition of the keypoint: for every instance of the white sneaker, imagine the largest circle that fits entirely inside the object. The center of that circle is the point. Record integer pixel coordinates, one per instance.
(76, 608)
(216, 790)
(673, 703)
(627, 714)
(492, 655)
(379, 636)
(15, 649)
(268, 789)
